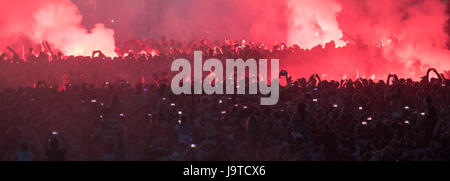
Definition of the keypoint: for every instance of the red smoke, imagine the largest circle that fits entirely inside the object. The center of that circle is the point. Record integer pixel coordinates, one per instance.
(313, 23)
(341, 38)
(55, 21)
(410, 32)
(405, 37)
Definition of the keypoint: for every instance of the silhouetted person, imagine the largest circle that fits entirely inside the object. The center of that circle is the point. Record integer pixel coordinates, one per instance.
(54, 153)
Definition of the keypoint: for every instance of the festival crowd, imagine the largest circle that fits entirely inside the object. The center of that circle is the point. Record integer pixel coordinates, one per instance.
(101, 108)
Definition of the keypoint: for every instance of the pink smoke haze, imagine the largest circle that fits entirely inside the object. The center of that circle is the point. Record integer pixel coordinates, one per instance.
(340, 38)
(313, 23)
(371, 38)
(55, 21)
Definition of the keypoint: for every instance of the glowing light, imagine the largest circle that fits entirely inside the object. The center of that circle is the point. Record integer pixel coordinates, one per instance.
(345, 77)
(314, 23)
(154, 53)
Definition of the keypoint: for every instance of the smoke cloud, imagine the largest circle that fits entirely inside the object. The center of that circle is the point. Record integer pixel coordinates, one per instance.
(368, 38)
(341, 38)
(313, 23)
(411, 32)
(55, 21)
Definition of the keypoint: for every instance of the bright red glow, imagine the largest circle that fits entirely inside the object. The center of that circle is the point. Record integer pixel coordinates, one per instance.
(375, 37)
(339, 38)
(55, 21)
(154, 53)
(313, 23)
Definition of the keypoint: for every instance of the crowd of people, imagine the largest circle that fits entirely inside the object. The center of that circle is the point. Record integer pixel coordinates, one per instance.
(101, 108)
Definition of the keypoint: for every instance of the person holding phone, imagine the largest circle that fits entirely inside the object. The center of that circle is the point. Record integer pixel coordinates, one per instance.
(55, 152)
(113, 134)
(183, 130)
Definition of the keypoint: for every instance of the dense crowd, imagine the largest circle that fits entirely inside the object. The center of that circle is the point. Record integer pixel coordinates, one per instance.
(101, 108)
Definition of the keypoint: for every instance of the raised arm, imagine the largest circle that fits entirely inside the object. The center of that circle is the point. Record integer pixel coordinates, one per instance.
(49, 49)
(12, 51)
(436, 72)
